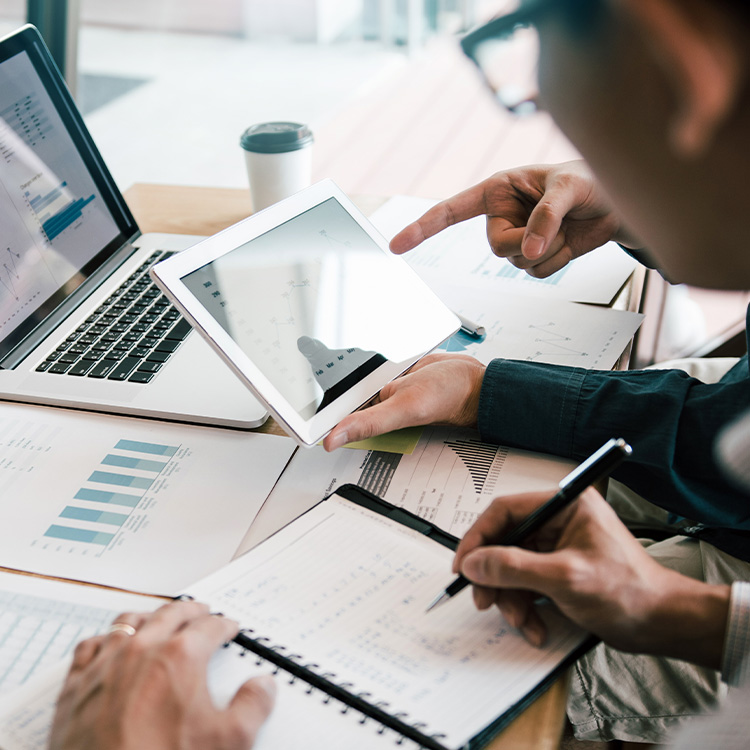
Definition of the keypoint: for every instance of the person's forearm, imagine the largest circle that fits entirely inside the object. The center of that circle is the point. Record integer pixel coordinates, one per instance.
(669, 418)
(689, 622)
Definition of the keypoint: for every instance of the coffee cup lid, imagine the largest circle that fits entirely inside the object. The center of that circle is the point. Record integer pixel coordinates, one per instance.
(276, 137)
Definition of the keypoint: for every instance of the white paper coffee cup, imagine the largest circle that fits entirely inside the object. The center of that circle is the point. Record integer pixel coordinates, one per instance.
(278, 156)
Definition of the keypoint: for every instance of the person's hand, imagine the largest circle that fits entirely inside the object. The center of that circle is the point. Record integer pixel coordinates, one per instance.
(538, 217)
(440, 388)
(598, 574)
(148, 690)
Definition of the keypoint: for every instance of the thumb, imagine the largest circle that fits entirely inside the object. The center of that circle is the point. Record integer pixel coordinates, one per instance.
(546, 219)
(251, 705)
(393, 413)
(513, 568)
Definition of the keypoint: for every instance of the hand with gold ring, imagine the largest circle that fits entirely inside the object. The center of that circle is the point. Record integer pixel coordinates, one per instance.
(121, 627)
(149, 688)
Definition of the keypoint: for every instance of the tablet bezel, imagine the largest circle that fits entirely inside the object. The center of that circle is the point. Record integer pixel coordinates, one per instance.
(169, 274)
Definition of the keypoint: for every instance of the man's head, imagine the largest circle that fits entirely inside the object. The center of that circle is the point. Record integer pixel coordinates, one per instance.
(654, 94)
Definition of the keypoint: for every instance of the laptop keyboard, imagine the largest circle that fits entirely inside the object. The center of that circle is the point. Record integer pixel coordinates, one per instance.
(128, 337)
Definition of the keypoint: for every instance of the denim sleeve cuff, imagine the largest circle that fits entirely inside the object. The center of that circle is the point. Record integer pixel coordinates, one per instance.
(530, 405)
(735, 667)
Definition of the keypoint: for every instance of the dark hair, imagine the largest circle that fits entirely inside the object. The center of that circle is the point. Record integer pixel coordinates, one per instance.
(738, 8)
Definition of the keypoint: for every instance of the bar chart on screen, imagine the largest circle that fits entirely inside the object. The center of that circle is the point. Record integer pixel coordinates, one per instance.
(54, 214)
(57, 209)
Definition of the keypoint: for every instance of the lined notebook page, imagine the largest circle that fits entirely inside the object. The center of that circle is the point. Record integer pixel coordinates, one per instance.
(346, 589)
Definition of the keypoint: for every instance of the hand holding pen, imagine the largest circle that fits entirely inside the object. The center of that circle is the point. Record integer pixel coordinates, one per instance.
(565, 539)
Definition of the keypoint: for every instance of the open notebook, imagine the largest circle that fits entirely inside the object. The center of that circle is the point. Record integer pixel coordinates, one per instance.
(335, 603)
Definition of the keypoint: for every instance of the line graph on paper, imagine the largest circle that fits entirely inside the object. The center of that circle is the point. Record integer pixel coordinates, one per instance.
(551, 342)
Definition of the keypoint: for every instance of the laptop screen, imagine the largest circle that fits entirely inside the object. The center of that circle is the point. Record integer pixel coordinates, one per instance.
(61, 214)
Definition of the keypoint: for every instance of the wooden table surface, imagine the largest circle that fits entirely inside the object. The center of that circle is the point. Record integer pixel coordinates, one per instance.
(197, 210)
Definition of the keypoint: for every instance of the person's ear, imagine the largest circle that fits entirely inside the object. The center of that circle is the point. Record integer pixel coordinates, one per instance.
(694, 43)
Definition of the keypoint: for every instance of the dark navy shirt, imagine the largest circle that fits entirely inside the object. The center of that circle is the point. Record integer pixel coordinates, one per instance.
(669, 418)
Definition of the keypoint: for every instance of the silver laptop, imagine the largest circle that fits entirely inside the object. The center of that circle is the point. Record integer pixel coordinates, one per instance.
(81, 324)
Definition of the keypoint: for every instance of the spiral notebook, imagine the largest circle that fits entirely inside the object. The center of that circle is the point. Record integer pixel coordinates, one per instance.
(337, 600)
(334, 604)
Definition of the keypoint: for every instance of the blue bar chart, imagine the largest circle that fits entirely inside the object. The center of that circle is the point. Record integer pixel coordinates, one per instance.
(55, 210)
(111, 493)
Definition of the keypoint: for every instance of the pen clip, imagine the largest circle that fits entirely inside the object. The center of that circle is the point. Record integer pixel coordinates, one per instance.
(611, 445)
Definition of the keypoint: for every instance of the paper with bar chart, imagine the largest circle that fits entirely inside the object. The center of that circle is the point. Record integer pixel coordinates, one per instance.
(449, 479)
(130, 503)
(462, 253)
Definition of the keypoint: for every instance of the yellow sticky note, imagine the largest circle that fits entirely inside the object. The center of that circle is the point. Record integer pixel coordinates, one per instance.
(399, 441)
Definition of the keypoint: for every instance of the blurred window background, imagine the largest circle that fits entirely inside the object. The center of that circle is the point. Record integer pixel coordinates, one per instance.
(167, 87)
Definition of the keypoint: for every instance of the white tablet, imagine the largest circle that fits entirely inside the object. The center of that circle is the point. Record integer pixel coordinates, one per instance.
(308, 306)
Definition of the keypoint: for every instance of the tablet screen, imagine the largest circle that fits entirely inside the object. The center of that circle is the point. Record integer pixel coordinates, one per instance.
(314, 303)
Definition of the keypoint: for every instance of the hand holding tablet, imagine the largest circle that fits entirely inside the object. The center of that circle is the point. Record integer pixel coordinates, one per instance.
(308, 307)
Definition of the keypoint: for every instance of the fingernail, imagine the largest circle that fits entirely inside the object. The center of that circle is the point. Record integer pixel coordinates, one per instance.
(512, 616)
(267, 684)
(483, 599)
(471, 567)
(339, 439)
(534, 633)
(533, 246)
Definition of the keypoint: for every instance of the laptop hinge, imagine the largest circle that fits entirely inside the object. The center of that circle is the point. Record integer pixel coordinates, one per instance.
(35, 337)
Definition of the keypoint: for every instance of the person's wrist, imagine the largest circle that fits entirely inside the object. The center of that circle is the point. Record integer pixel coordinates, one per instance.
(688, 620)
(471, 405)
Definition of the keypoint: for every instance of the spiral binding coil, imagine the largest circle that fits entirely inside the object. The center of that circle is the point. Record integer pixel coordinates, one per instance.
(341, 691)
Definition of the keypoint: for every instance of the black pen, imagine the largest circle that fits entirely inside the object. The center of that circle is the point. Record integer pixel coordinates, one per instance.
(596, 467)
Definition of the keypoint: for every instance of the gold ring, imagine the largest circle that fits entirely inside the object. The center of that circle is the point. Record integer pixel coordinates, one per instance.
(121, 627)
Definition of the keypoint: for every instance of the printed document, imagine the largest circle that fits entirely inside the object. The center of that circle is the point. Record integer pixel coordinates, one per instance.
(462, 252)
(449, 479)
(131, 503)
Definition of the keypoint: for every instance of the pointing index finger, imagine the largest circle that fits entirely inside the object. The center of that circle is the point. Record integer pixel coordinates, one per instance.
(465, 205)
